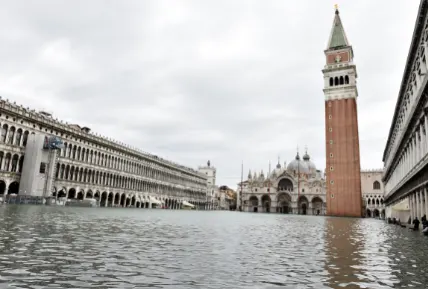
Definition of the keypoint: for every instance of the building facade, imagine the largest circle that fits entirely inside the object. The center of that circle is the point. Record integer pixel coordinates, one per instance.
(342, 142)
(298, 188)
(227, 198)
(212, 195)
(406, 152)
(373, 193)
(87, 165)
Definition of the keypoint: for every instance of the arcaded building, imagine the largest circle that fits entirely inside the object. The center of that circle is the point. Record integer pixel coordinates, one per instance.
(343, 181)
(42, 156)
(373, 192)
(406, 152)
(296, 188)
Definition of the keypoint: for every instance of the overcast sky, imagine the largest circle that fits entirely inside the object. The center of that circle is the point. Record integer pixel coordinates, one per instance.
(196, 80)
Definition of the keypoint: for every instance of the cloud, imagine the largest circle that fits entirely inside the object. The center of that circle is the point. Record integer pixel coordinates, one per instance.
(197, 80)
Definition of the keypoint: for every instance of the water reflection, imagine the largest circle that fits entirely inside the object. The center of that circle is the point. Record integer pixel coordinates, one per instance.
(343, 245)
(125, 248)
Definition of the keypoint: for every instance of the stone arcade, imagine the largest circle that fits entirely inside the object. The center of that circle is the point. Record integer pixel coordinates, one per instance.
(406, 152)
(88, 165)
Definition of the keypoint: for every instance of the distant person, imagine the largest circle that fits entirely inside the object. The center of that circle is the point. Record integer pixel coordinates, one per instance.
(424, 218)
(416, 224)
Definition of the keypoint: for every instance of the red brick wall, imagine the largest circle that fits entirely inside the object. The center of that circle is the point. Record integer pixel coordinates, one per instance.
(331, 58)
(346, 159)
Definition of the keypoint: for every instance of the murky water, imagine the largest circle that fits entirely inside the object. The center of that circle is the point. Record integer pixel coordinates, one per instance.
(129, 248)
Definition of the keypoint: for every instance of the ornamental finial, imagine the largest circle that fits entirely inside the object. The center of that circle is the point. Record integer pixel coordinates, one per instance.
(336, 6)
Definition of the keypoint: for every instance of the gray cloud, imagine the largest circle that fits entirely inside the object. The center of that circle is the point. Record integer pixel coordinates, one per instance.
(197, 80)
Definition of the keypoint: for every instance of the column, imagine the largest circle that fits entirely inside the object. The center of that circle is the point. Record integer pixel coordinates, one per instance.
(422, 145)
(412, 215)
(426, 200)
(426, 132)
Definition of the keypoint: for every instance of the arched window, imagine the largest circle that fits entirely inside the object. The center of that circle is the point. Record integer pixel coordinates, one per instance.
(346, 79)
(341, 80)
(369, 202)
(376, 185)
(4, 133)
(11, 135)
(18, 137)
(331, 81)
(336, 81)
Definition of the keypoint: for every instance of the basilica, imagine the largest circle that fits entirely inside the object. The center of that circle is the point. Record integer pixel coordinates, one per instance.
(296, 188)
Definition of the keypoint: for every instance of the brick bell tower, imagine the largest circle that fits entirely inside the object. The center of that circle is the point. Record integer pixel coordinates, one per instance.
(343, 179)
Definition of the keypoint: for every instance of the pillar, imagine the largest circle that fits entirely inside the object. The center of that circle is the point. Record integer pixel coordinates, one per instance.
(426, 200)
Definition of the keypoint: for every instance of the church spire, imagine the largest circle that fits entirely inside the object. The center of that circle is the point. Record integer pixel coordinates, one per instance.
(338, 37)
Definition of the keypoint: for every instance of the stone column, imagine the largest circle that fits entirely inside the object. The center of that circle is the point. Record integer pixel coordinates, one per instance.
(412, 211)
(426, 200)
(426, 133)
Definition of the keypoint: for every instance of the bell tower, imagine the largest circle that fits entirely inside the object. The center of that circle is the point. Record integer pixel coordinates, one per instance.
(341, 126)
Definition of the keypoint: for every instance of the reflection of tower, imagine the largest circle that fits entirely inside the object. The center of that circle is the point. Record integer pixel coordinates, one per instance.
(343, 243)
(342, 141)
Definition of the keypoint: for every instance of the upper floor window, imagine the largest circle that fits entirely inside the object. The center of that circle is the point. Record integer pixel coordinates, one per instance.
(376, 185)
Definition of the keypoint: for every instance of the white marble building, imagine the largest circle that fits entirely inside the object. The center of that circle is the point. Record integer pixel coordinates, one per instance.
(88, 165)
(373, 193)
(298, 188)
(406, 152)
(212, 194)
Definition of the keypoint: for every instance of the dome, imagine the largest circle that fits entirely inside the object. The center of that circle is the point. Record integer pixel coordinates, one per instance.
(298, 165)
(311, 165)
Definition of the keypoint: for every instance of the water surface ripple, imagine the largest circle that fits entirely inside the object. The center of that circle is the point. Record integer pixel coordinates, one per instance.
(129, 248)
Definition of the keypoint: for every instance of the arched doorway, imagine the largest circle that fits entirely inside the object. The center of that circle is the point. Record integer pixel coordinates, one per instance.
(62, 193)
(317, 206)
(266, 203)
(2, 187)
(103, 202)
(110, 200)
(303, 205)
(368, 213)
(254, 204)
(376, 213)
(72, 193)
(80, 195)
(13, 188)
(284, 203)
(89, 195)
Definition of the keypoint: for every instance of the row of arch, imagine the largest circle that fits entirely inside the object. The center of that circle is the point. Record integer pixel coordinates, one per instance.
(375, 201)
(375, 213)
(339, 80)
(121, 199)
(85, 175)
(88, 156)
(284, 204)
(13, 188)
(11, 135)
(11, 163)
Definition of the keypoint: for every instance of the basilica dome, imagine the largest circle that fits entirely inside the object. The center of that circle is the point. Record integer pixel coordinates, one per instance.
(311, 166)
(298, 165)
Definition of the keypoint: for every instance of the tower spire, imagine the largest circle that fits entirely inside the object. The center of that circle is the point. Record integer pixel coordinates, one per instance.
(338, 37)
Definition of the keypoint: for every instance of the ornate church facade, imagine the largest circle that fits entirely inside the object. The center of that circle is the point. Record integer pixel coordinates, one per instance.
(296, 188)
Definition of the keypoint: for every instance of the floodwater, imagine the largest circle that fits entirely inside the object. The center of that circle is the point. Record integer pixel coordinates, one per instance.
(136, 248)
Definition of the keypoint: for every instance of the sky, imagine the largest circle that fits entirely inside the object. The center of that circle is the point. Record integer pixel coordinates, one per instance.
(192, 81)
